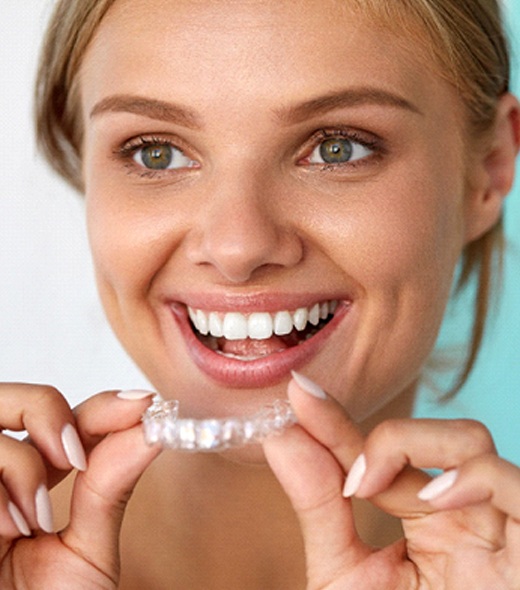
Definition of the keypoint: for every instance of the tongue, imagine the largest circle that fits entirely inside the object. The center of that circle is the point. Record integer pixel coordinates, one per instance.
(253, 348)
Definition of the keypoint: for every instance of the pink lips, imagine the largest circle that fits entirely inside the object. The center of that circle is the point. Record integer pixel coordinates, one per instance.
(262, 372)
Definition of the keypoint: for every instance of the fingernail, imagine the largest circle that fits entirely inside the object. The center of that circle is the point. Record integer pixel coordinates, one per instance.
(354, 477)
(134, 394)
(438, 486)
(18, 519)
(73, 447)
(308, 386)
(44, 510)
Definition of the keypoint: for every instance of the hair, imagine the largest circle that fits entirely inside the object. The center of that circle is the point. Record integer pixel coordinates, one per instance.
(464, 38)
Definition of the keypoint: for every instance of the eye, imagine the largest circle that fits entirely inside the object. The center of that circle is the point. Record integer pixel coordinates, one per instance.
(339, 150)
(161, 156)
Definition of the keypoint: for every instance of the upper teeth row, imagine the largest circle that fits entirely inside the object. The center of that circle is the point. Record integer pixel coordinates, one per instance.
(258, 325)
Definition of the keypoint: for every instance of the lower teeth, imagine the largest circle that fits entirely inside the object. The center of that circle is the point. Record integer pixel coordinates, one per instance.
(230, 355)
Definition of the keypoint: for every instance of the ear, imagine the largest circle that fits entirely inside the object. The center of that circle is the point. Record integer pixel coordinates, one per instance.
(493, 172)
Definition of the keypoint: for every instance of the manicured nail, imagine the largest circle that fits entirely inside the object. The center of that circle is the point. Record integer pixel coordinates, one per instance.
(44, 510)
(308, 386)
(354, 477)
(438, 486)
(18, 519)
(73, 447)
(135, 394)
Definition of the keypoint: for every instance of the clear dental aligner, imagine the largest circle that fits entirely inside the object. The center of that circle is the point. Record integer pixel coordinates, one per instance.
(162, 425)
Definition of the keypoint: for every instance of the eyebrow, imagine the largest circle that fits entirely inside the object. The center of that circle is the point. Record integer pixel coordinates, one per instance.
(352, 97)
(147, 107)
(171, 112)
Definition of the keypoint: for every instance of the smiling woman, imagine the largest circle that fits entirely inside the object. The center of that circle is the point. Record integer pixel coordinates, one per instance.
(258, 210)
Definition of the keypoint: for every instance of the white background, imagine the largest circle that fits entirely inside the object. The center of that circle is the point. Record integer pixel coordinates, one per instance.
(52, 329)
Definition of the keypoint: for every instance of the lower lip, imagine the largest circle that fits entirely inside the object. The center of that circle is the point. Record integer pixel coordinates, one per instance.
(263, 372)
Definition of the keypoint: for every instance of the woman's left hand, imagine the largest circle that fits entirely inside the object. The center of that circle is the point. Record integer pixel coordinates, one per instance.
(461, 530)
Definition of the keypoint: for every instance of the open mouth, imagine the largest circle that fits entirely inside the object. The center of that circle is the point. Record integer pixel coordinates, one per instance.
(252, 336)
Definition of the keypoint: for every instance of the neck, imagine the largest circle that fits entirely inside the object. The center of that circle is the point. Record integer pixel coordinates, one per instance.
(204, 521)
(218, 525)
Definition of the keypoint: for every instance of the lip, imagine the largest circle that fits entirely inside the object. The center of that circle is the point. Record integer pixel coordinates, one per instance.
(262, 372)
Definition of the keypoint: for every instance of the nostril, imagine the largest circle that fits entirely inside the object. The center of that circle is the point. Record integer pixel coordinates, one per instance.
(242, 241)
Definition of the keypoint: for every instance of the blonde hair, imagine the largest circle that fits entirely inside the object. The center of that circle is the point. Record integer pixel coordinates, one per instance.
(464, 38)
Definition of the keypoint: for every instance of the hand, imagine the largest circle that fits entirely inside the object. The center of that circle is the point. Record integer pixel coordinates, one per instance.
(84, 556)
(462, 533)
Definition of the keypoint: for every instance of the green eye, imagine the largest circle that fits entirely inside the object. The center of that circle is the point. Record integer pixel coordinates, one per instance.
(338, 150)
(335, 151)
(159, 156)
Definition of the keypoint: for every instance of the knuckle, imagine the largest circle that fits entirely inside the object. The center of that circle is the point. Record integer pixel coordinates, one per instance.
(478, 437)
(47, 399)
(21, 455)
(387, 433)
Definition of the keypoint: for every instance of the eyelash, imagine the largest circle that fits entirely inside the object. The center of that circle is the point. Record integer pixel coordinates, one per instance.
(128, 151)
(368, 141)
(374, 144)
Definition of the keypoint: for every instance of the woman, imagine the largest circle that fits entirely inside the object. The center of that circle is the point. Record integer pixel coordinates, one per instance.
(272, 186)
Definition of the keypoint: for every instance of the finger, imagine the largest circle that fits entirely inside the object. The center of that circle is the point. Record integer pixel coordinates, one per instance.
(312, 479)
(12, 522)
(424, 444)
(45, 414)
(24, 484)
(115, 465)
(482, 479)
(101, 494)
(109, 411)
(328, 422)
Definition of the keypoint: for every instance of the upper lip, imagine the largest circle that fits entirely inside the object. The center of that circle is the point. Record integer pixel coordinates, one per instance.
(254, 302)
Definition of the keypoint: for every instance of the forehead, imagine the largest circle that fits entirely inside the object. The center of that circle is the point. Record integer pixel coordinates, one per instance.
(273, 51)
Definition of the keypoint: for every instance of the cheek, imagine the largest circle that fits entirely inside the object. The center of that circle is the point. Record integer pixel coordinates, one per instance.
(400, 249)
(131, 238)
(406, 234)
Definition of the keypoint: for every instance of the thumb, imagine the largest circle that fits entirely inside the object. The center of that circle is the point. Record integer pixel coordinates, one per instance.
(101, 493)
(312, 479)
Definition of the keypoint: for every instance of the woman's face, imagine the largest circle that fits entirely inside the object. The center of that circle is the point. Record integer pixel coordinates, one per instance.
(258, 164)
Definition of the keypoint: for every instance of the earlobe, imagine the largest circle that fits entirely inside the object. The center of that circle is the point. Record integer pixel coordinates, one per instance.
(496, 171)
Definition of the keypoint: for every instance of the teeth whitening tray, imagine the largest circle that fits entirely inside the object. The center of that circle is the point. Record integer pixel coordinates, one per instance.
(162, 425)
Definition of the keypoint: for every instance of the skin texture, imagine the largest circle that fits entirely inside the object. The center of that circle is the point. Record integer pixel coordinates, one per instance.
(251, 221)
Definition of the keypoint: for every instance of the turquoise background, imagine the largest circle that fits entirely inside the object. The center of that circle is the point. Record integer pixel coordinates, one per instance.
(492, 394)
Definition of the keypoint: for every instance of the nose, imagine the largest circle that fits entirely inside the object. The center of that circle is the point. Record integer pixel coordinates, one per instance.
(242, 230)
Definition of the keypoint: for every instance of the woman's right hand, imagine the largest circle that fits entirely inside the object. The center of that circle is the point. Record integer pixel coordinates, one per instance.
(85, 555)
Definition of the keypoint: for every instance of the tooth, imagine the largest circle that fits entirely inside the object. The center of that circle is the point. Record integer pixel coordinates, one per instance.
(314, 314)
(215, 325)
(283, 323)
(260, 326)
(332, 306)
(300, 317)
(235, 326)
(324, 311)
(193, 316)
(202, 322)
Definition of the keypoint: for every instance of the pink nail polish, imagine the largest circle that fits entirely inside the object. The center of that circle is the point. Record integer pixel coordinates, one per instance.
(355, 476)
(308, 386)
(73, 447)
(438, 486)
(134, 394)
(19, 520)
(44, 515)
